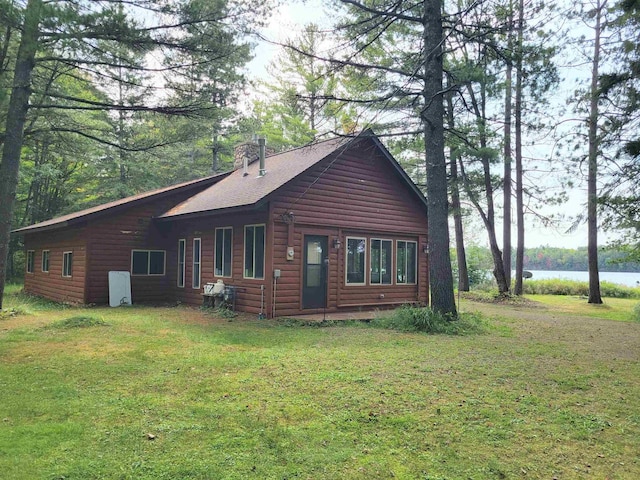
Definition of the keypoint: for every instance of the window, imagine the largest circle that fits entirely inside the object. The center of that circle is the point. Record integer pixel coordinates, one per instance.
(31, 258)
(356, 249)
(67, 264)
(381, 262)
(224, 242)
(254, 251)
(182, 247)
(45, 260)
(147, 262)
(196, 263)
(406, 258)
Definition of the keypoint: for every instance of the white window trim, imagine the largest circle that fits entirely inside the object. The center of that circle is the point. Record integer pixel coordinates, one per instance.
(31, 253)
(48, 261)
(194, 284)
(64, 257)
(164, 264)
(346, 261)
(182, 248)
(380, 284)
(215, 257)
(415, 265)
(244, 249)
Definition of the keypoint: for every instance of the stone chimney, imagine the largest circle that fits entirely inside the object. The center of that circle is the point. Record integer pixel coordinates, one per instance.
(249, 151)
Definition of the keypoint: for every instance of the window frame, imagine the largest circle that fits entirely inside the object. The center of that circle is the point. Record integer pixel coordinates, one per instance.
(364, 264)
(215, 253)
(147, 274)
(67, 264)
(406, 264)
(31, 261)
(244, 251)
(381, 240)
(46, 254)
(182, 265)
(196, 279)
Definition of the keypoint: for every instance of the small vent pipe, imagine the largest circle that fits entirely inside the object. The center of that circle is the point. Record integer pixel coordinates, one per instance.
(262, 142)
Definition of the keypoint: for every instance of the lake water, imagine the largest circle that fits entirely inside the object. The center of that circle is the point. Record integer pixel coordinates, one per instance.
(630, 279)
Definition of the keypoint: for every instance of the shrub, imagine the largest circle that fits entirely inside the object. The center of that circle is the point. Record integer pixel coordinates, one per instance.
(635, 314)
(419, 319)
(576, 288)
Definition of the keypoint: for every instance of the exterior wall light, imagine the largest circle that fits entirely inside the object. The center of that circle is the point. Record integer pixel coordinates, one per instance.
(337, 243)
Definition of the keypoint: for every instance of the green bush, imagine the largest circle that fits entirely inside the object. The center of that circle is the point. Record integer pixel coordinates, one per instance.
(419, 319)
(635, 314)
(576, 288)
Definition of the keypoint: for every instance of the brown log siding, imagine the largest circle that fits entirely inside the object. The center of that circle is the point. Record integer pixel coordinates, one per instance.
(359, 196)
(248, 290)
(112, 240)
(52, 284)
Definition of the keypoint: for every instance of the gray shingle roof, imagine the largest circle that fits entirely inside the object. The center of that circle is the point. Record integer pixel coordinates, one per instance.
(233, 189)
(238, 190)
(64, 220)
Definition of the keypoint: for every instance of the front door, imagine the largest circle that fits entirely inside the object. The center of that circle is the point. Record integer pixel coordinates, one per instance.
(314, 275)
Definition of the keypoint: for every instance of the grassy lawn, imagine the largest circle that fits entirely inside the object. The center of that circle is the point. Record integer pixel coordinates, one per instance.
(175, 393)
(611, 308)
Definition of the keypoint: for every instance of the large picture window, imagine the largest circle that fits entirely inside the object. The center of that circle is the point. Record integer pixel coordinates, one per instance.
(182, 249)
(31, 258)
(381, 255)
(147, 262)
(197, 250)
(67, 264)
(356, 252)
(406, 261)
(254, 251)
(224, 243)
(45, 261)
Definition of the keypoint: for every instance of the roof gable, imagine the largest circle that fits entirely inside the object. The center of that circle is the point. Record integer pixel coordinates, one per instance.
(239, 190)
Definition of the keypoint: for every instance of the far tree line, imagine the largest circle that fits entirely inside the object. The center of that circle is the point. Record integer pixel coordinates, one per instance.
(561, 259)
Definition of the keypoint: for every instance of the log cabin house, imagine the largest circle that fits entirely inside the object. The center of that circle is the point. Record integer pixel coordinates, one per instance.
(335, 225)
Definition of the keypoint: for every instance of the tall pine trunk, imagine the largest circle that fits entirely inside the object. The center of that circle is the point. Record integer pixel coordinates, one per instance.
(441, 276)
(506, 220)
(519, 167)
(461, 255)
(488, 217)
(592, 188)
(14, 128)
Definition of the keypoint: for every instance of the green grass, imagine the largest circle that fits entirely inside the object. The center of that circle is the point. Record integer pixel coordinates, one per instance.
(611, 308)
(556, 396)
(621, 309)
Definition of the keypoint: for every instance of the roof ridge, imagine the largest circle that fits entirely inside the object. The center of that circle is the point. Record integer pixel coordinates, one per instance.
(314, 143)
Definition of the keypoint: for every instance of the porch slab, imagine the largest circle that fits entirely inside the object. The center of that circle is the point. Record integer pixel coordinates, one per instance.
(338, 316)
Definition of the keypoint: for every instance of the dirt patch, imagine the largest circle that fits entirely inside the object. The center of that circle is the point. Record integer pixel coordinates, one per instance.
(512, 300)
